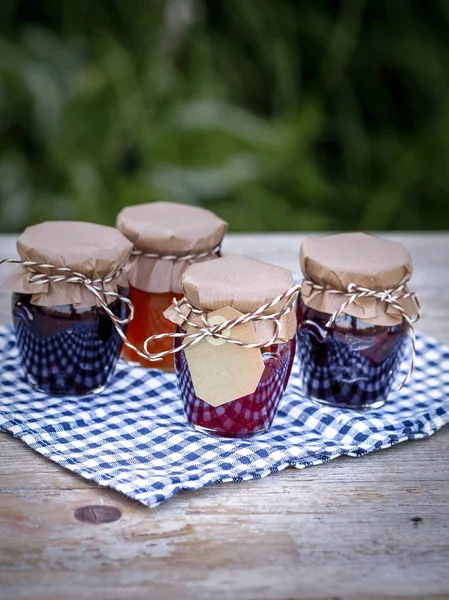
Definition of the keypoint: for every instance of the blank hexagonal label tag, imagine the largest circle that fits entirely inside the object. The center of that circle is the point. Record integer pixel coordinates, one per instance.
(222, 372)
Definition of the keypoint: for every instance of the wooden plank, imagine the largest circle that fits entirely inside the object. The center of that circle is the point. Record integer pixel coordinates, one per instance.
(292, 535)
(375, 527)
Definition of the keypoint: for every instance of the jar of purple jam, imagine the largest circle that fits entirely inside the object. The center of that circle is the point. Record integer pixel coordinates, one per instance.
(67, 305)
(232, 380)
(354, 315)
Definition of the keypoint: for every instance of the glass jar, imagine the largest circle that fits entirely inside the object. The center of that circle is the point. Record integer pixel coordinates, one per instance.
(149, 320)
(168, 237)
(69, 294)
(352, 364)
(66, 350)
(247, 416)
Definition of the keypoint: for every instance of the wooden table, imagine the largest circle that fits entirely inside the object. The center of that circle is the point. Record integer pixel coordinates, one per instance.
(376, 526)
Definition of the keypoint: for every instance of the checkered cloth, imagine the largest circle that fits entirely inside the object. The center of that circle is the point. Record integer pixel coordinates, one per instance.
(134, 437)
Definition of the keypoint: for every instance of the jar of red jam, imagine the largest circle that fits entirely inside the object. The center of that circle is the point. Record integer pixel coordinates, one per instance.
(167, 238)
(354, 317)
(68, 343)
(232, 390)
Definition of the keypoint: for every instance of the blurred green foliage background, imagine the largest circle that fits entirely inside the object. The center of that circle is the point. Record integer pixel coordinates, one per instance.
(276, 114)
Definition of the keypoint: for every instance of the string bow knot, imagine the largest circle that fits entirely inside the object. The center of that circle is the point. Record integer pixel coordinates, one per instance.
(204, 329)
(45, 273)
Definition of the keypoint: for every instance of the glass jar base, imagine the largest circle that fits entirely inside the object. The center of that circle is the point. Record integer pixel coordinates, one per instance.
(362, 407)
(36, 387)
(228, 435)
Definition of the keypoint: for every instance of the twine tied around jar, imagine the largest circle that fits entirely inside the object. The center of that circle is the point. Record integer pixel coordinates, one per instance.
(390, 296)
(95, 286)
(182, 258)
(204, 329)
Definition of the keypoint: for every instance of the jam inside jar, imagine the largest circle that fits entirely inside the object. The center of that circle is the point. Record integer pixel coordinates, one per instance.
(352, 364)
(247, 416)
(149, 320)
(66, 350)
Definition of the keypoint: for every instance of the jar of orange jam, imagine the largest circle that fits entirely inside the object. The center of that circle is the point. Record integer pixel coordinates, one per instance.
(167, 238)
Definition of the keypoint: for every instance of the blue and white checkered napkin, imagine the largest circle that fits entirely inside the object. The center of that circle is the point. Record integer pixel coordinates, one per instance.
(134, 436)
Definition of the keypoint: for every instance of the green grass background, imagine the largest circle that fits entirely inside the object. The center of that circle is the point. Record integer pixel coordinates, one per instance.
(276, 114)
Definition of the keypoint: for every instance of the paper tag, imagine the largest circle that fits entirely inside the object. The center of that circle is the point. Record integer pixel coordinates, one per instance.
(222, 372)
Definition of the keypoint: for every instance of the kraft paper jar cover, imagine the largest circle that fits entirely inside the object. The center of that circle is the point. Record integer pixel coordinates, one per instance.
(242, 283)
(95, 251)
(167, 229)
(335, 261)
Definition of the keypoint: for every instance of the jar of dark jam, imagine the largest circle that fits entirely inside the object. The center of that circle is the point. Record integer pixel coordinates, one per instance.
(67, 303)
(168, 238)
(66, 350)
(245, 417)
(354, 314)
(229, 390)
(351, 364)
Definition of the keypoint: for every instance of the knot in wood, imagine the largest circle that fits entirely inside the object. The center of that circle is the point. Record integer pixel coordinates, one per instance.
(97, 514)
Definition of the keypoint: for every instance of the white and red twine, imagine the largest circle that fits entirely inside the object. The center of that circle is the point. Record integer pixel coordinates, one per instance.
(204, 329)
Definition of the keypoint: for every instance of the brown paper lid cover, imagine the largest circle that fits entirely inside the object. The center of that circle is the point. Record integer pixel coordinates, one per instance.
(368, 261)
(167, 229)
(95, 251)
(171, 228)
(244, 284)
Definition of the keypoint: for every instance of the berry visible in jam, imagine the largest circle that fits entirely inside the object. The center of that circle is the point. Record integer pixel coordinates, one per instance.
(351, 364)
(66, 350)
